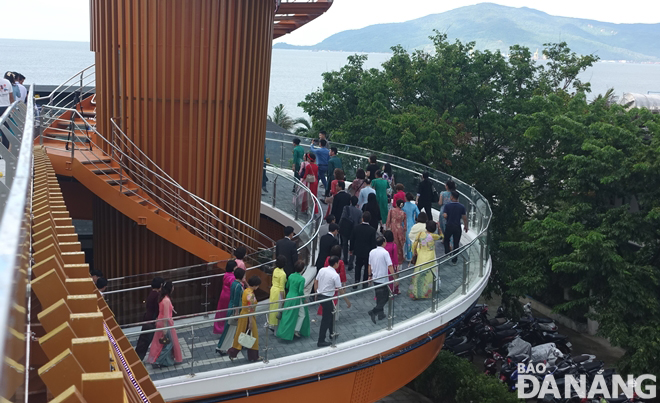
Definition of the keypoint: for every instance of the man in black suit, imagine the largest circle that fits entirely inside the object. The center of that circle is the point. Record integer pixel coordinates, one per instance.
(363, 240)
(326, 243)
(287, 248)
(340, 200)
(350, 217)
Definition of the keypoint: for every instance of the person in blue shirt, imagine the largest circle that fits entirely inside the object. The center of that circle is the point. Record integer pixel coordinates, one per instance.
(322, 158)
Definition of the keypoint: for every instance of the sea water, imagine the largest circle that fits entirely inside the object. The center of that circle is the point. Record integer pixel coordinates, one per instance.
(294, 73)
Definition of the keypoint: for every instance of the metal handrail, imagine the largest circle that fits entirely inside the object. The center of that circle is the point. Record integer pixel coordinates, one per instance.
(204, 203)
(436, 264)
(410, 271)
(313, 237)
(384, 158)
(15, 259)
(166, 189)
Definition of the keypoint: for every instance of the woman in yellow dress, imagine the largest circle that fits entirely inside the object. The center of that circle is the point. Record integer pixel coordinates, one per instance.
(277, 292)
(424, 247)
(247, 325)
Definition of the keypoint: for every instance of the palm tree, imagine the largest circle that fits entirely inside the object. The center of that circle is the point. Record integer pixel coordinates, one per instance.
(305, 128)
(281, 118)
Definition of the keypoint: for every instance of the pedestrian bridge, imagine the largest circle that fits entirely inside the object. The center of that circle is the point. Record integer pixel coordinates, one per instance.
(365, 362)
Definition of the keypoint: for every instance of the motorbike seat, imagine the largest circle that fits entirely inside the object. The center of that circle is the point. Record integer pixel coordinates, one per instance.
(497, 321)
(582, 358)
(591, 365)
(505, 326)
(555, 336)
(506, 333)
(544, 320)
(455, 341)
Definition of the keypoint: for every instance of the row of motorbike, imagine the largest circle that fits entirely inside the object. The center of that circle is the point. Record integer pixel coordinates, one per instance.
(530, 340)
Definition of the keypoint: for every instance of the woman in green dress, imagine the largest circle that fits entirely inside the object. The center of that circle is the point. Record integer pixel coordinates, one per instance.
(235, 295)
(424, 247)
(277, 291)
(295, 322)
(380, 185)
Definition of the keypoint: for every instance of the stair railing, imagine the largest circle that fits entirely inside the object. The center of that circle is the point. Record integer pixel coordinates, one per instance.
(200, 217)
(68, 95)
(187, 204)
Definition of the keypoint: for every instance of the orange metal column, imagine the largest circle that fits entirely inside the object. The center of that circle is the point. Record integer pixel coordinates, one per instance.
(189, 80)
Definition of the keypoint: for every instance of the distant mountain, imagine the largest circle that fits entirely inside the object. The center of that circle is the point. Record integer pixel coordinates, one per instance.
(496, 27)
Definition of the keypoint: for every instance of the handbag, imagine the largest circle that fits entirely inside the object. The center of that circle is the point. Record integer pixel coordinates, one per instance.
(246, 340)
(165, 339)
(413, 261)
(436, 196)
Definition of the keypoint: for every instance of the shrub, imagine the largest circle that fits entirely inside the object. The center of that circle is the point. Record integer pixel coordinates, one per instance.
(450, 379)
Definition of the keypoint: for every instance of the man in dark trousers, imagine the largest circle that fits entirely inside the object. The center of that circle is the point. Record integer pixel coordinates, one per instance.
(326, 243)
(363, 240)
(425, 195)
(454, 212)
(151, 314)
(287, 248)
(340, 200)
(350, 217)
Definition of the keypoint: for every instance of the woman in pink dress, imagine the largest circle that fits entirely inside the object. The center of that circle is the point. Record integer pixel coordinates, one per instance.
(223, 301)
(391, 248)
(165, 350)
(396, 222)
(307, 171)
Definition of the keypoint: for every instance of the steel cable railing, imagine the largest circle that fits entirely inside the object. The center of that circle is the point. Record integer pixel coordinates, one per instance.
(194, 213)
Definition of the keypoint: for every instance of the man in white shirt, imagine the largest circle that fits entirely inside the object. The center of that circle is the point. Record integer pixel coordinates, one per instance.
(380, 268)
(6, 99)
(327, 283)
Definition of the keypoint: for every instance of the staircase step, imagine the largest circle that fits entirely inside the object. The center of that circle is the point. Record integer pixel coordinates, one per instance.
(138, 199)
(97, 160)
(153, 208)
(106, 170)
(114, 179)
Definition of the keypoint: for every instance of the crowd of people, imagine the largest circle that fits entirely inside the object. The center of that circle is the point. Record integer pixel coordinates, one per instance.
(372, 227)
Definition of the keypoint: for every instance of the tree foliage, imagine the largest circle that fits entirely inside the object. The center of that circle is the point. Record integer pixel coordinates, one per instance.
(573, 184)
(282, 118)
(451, 379)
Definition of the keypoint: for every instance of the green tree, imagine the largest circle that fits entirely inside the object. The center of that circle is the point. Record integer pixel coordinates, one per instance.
(305, 128)
(281, 118)
(574, 185)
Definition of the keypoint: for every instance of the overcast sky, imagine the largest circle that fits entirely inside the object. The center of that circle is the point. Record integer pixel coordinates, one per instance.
(69, 19)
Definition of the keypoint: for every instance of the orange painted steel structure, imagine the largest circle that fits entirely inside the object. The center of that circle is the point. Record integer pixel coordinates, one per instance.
(187, 81)
(360, 386)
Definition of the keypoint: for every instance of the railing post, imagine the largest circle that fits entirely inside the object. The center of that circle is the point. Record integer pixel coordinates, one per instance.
(233, 233)
(192, 351)
(296, 205)
(334, 325)
(482, 249)
(466, 266)
(206, 296)
(274, 189)
(390, 308)
(40, 131)
(434, 292)
(121, 173)
(267, 340)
